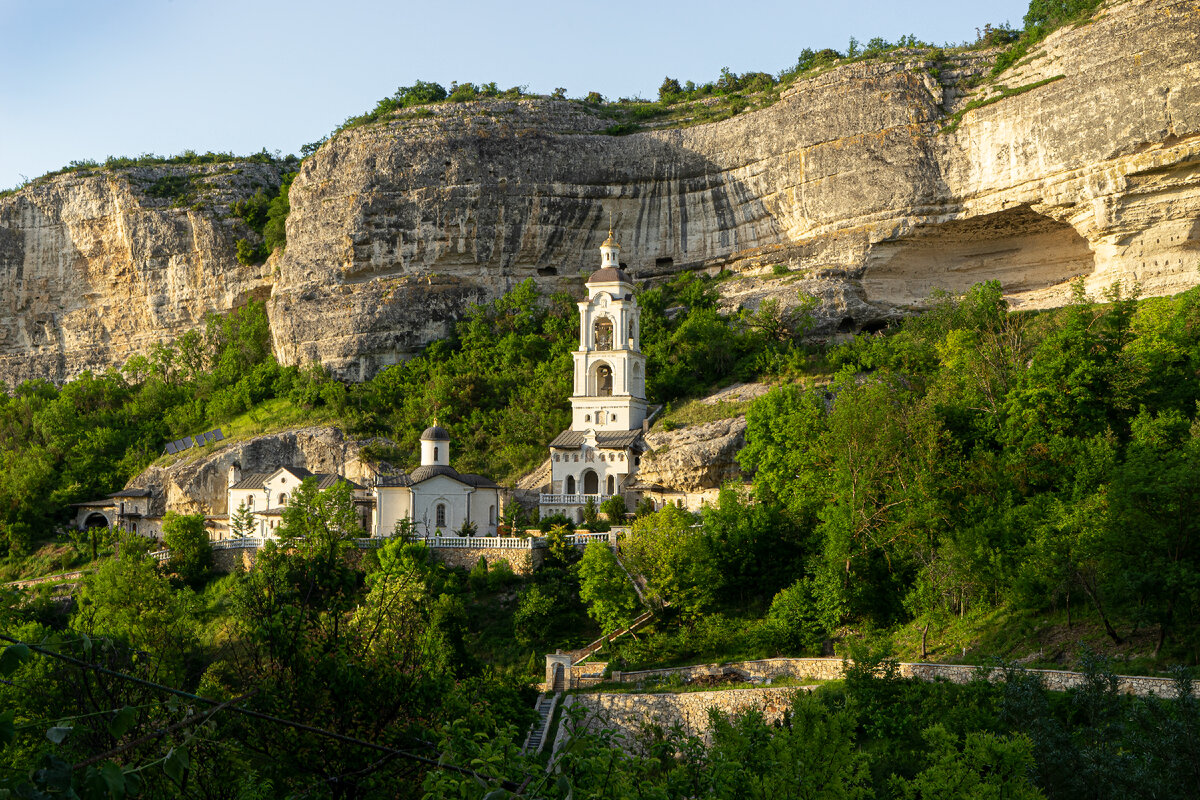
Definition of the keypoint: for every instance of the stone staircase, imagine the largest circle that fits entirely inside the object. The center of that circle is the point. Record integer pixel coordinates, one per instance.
(536, 739)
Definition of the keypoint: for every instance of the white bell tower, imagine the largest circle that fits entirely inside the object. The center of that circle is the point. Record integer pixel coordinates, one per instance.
(610, 370)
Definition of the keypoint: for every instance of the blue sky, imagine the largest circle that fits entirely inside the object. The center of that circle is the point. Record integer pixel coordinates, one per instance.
(93, 78)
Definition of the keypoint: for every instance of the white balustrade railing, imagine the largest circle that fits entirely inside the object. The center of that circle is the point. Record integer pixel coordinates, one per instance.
(246, 543)
(572, 499)
(495, 542)
(584, 538)
(461, 542)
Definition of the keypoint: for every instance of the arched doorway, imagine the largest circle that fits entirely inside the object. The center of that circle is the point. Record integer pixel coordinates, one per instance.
(570, 485)
(95, 520)
(591, 482)
(612, 485)
(559, 685)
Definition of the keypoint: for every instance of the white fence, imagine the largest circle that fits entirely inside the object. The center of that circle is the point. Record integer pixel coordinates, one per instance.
(489, 542)
(246, 543)
(572, 499)
(463, 542)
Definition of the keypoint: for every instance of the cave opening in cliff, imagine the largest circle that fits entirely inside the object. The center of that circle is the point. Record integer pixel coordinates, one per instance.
(1024, 250)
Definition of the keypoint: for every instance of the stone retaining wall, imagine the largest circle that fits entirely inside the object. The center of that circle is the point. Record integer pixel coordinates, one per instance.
(832, 669)
(234, 560)
(634, 715)
(522, 561)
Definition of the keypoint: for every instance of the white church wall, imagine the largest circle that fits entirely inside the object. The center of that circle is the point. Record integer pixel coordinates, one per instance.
(393, 503)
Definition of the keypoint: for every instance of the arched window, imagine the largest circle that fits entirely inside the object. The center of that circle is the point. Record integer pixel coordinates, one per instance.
(441, 515)
(612, 484)
(639, 380)
(435, 453)
(570, 484)
(491, 515)
(604, 381)
(591, 483)
(603, 331)
(250, 503)
(283, 499)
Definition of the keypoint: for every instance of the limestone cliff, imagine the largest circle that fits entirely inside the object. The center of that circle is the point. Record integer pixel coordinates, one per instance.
(196, 483)
(98, 265)
(874, 183)
(857, 178)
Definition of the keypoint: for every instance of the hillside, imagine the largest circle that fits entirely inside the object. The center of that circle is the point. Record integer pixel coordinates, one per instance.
(882, 179)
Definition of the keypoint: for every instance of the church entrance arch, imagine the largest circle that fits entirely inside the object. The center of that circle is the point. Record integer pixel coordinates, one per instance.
(570, 485)
(591, 482)
(96, 519)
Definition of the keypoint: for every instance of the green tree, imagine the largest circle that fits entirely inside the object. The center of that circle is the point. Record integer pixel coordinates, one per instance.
(241, 524)
(320, 525)
(605, 588)
(670, 90)
(668, 549)
(987, 766)
(191, 552)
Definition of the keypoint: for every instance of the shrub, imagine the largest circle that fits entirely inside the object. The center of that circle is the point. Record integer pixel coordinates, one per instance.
(614, 508)
(501, 575)
(479, 575)
(554, 521)
(535, 610)
(795, 624)
(191, 552)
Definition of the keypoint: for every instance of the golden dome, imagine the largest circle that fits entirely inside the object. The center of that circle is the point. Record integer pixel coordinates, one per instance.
(610, 241)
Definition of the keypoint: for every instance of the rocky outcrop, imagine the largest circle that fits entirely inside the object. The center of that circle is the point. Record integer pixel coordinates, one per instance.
(873, 184)
(861, 179)
(196, 483)
(98, 265)
(695, 458)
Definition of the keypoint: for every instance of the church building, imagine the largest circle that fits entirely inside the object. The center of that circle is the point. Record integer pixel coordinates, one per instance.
(438, 499)
(599, 455)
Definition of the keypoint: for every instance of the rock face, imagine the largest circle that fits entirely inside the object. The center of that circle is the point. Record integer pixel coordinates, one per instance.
(849, 179)
(873, 183)
(94, 267)
(198, 485)
(695, 458)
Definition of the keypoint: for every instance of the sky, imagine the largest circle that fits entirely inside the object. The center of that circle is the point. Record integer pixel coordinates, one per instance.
(85, 79)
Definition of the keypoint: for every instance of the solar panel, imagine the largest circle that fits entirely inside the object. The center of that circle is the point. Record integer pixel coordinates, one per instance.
(171, 448)
(218, 436)
(183, 444)
(199, 440)
(210, 437)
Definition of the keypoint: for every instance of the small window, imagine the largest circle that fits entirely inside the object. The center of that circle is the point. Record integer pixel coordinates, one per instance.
(283, 499)
(435, 453)
(491, 515)
(441, 515)
(587, 417)
(250, 503)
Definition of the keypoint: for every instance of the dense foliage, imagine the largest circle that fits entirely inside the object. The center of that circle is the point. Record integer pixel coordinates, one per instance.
(340, 675)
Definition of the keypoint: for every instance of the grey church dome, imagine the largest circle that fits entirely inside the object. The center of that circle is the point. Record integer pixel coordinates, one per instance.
(435, 433)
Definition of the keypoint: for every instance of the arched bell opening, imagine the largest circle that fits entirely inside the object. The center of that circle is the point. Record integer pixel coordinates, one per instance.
(602, 380)
(602, 334)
